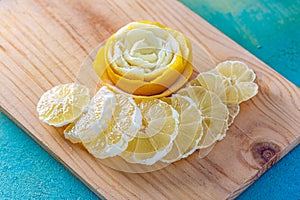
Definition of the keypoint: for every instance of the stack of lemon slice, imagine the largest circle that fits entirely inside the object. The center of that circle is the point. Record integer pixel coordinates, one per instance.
(233, 83)
(143, 129)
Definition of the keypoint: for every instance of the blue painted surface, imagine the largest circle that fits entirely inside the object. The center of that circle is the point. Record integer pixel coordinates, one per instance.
(268, 30)
(28, 172)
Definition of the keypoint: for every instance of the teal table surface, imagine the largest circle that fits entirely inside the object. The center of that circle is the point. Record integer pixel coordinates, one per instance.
(268, 29)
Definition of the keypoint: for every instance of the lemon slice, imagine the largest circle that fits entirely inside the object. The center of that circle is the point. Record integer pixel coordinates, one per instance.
(214, 112)
(123, 127)
(223, 88)
(241, 77)
(155, 139)
(95, 120)
(63, 104)
(189, 129)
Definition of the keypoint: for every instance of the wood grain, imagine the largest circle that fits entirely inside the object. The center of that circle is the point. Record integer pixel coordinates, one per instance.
(43, 44)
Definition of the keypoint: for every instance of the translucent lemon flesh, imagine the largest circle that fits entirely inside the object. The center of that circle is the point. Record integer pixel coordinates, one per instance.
(240, 76)
(123, 127)
(95, 120)
(155, 139)
(190, 128)
(214, 112)
(63, 104)
(222, 87)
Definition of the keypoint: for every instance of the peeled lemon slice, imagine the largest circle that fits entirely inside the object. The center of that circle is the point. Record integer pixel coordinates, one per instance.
(222, 87)
(123, 127)
(96, 120)
(241, 77)
(155, 139)
(214, 112)
(190, 128)
(63, 104)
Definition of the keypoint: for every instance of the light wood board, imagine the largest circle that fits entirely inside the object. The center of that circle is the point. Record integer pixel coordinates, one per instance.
(43, 43)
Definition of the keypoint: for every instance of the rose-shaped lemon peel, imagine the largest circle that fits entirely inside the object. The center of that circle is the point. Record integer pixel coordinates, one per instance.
(152, 23)
(141, 69)
(143, 52)
(185, 43)
(141, 89)
(182, 79)
(138, 86)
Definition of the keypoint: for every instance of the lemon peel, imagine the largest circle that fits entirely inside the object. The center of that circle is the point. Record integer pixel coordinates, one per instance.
(130, 62)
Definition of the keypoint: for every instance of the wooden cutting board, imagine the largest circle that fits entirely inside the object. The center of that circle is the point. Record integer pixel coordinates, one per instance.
(42, 44)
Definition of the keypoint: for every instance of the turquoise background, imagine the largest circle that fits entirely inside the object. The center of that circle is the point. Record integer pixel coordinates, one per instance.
(270, 30)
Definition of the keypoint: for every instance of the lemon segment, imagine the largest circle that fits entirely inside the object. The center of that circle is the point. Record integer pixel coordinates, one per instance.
(155, 138)
(63, 104)
(95, 120)
(233, 110)
(214, 112)
(123, 127)
(247, 90)
(189, 129)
